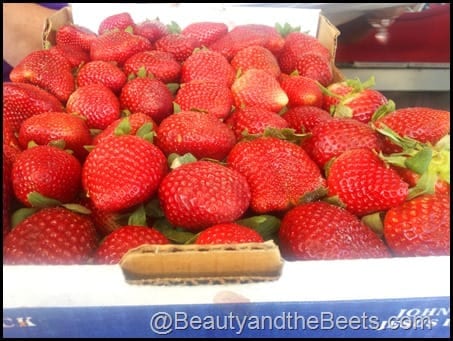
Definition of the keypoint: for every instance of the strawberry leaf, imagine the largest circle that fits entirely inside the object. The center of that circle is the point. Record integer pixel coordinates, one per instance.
(173, 87)
(266, 225)
(77, 208)
(153, 209)
(146, 132)
(425, 185)
(21, 214)
(419, 163)
(176, 160)
(123, 128)
(176, 235)
(138, 217)
(40, 201)
(375, 222)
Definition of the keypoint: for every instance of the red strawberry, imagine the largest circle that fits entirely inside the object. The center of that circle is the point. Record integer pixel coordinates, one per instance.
(162, 65)
(118, 46)
(254, 120)
(179, 45)
(207, 65)
(205, 32)
(256, 57)
(48, 70)
(412, 178)
(424, 124)
(125, 238)
(258, 88)
(201, 134)
(151, 29)
(120, 21)
(48, 170)
(333, 93)
(301, 90)
(202, 193)
(364, 183)
(295, 46)
(228, 233)
(209, 96)
(126, 125)
(97, 103)
(21, 100)
(101, 72)
(318, 231)
(147, 96)
(51, 236)
(7, 187)
(53, 126)
(304, 118)
(279, 172)
(332, 137)
(72, 35)
(315, 66)
(419, 227)
(123, 172)
(74, 55)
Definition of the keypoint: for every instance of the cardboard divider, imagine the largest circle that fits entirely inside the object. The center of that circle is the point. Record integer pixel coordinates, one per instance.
(53, 23)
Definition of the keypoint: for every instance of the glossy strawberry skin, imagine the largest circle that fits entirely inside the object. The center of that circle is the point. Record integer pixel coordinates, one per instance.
(301, 90)
(419, 227)
(116, 244)
(205, 32)
(122, 172)
(48, 170)
(363, 104)
(48, 70)
(97, 103)
(316, 67)
(147, 96)
(305, 117)
(162, 65)
(101, 72)
(73, 35)
(203, 193)
(256, 57)
(206, 96)
(321, 231)
(22, 100)
(119, 21)
(228, 233)
(201, 134)
(7, 188)
(332, 137)
(179, 45)
(151, 29)
(279, 173)
(364, 184)
(51, 236)
(52, 126)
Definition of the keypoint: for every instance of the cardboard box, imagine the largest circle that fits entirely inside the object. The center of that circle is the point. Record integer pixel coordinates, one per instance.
(398, 297)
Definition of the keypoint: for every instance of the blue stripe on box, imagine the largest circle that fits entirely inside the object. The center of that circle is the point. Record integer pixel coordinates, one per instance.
(411, 318)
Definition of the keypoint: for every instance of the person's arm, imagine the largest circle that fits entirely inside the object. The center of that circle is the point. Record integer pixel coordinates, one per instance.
(23, 24)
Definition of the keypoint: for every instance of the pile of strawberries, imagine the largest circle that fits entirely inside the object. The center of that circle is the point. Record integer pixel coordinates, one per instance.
(142, 134)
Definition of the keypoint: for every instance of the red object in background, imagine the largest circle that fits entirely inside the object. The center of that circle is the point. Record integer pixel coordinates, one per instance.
(422, 37)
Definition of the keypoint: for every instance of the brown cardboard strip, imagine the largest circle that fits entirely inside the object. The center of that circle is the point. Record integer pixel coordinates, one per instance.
(53, 23)
(202, 264)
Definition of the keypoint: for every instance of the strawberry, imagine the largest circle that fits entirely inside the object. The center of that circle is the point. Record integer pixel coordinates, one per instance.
(72, 35)
(254, 120)
(122, 172)
(424, 124)
(22, 100)
(419, 227)
(101, 72)
(203, 193)
(129, 124)
(48, 70)
(318, 231)
(147, 96)
(209, 66)
(333, 93)
(258, 88)
(364, 183)
(162, 65)
(54, 126)
(74, 55)
(257, 34)
(297, 44)
(51, 236)
(208, 96)
(279, 172)
(228, 233)
(330, 138)
(116, 244)
(97, 103)
(179, 45)
(301, 90)
(48, 170)
(305, 117)
(7, 187)
(119, 21)
(256, 57)
(151, 29)
(315, 66)
(118, 46)
(205, 32)
(201, 134)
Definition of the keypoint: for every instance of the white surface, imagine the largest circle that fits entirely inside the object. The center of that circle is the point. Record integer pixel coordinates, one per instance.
(186, 13)
(95, 285)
